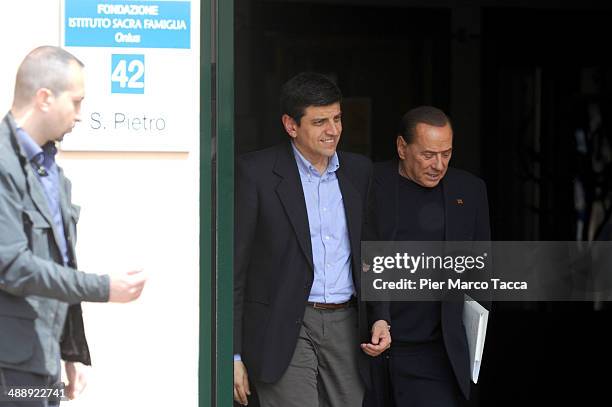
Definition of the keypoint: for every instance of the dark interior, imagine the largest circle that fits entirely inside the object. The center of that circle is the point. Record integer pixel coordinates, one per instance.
(529, 91)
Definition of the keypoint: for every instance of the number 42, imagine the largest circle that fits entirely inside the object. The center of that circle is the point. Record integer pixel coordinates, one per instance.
(136, 70)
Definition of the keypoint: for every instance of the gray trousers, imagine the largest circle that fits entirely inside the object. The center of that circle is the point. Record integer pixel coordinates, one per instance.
(323, 371)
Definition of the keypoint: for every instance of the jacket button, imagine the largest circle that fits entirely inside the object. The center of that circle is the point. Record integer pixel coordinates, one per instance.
(298, 321)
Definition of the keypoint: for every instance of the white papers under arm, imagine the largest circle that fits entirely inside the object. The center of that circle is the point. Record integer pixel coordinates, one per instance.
(475, 318)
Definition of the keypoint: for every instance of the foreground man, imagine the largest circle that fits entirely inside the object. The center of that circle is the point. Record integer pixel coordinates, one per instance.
(420, 198)
(40, 287)
(299, 206)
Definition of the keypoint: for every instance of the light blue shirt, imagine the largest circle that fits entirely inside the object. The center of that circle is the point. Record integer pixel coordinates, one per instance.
(331, 249)
(45, 168)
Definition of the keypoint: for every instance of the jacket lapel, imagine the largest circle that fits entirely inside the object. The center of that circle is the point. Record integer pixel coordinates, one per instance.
(38, 194)
(291, 195)
(353, 212)
(457, 222)
(67, 215)
(448, 208)
(40, 201)
(35, 188)
(390, 188)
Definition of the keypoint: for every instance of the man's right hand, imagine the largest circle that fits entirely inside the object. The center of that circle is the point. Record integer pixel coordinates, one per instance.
(241, 383)
(126, 287)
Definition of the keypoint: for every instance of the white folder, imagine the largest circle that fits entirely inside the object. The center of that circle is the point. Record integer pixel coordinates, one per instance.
(475, 318)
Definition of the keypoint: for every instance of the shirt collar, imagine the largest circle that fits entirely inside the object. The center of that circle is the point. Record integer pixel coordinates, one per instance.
(305, 167)
(32, 150)
(41, 156)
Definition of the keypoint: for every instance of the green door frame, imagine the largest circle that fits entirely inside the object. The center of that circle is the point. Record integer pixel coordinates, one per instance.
(225, 201)
(205, 349)
(216, 202)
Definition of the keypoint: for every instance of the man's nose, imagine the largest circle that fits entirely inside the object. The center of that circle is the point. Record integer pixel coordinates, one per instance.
(438, 162)
(333, 129)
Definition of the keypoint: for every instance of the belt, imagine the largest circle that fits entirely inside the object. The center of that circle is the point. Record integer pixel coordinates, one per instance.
(323, 305)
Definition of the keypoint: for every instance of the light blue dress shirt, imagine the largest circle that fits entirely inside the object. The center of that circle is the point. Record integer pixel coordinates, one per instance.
(331, 249)
(45, 168)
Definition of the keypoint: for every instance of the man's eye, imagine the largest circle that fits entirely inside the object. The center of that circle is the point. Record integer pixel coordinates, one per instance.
(446, 155)
(428, 156)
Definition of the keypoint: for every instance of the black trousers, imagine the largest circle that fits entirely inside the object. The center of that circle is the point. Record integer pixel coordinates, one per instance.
(413, 376)
(13, 379)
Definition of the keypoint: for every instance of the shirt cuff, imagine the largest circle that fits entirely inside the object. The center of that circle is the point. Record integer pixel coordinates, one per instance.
(237, 357)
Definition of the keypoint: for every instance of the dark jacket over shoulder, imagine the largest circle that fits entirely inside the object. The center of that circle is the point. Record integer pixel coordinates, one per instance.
(465, 221)
(40, 313)
(273, 266)
(466, 211)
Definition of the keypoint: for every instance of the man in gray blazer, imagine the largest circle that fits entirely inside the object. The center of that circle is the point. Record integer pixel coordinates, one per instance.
(40, 286)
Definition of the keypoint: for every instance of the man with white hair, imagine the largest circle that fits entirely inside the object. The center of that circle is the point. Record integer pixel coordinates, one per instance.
(40, 286)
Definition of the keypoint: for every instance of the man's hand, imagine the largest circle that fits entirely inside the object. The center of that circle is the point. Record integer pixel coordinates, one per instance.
(77, 379)
(381, 339)
(241, 383)
(126, 287)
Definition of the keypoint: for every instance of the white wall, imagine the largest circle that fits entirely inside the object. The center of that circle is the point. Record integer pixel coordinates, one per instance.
(138, 210)
(22, 30)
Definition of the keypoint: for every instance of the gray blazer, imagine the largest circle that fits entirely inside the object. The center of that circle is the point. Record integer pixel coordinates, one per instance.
(40, 312)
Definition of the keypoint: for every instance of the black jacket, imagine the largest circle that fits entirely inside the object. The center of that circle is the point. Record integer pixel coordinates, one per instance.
(466, 213)
(273, 266)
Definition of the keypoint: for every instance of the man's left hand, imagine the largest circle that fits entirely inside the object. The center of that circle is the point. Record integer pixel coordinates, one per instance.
(381, 339)
(77, 379)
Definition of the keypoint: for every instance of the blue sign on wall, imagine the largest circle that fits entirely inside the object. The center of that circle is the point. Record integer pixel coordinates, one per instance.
(127, 73)
(131, 24)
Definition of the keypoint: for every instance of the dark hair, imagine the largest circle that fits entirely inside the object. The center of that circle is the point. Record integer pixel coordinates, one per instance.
(423, 114)
(307, 89)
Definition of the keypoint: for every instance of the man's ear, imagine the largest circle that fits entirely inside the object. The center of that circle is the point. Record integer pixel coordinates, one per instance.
(290, 125)
(43, 99)
(401, 146)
